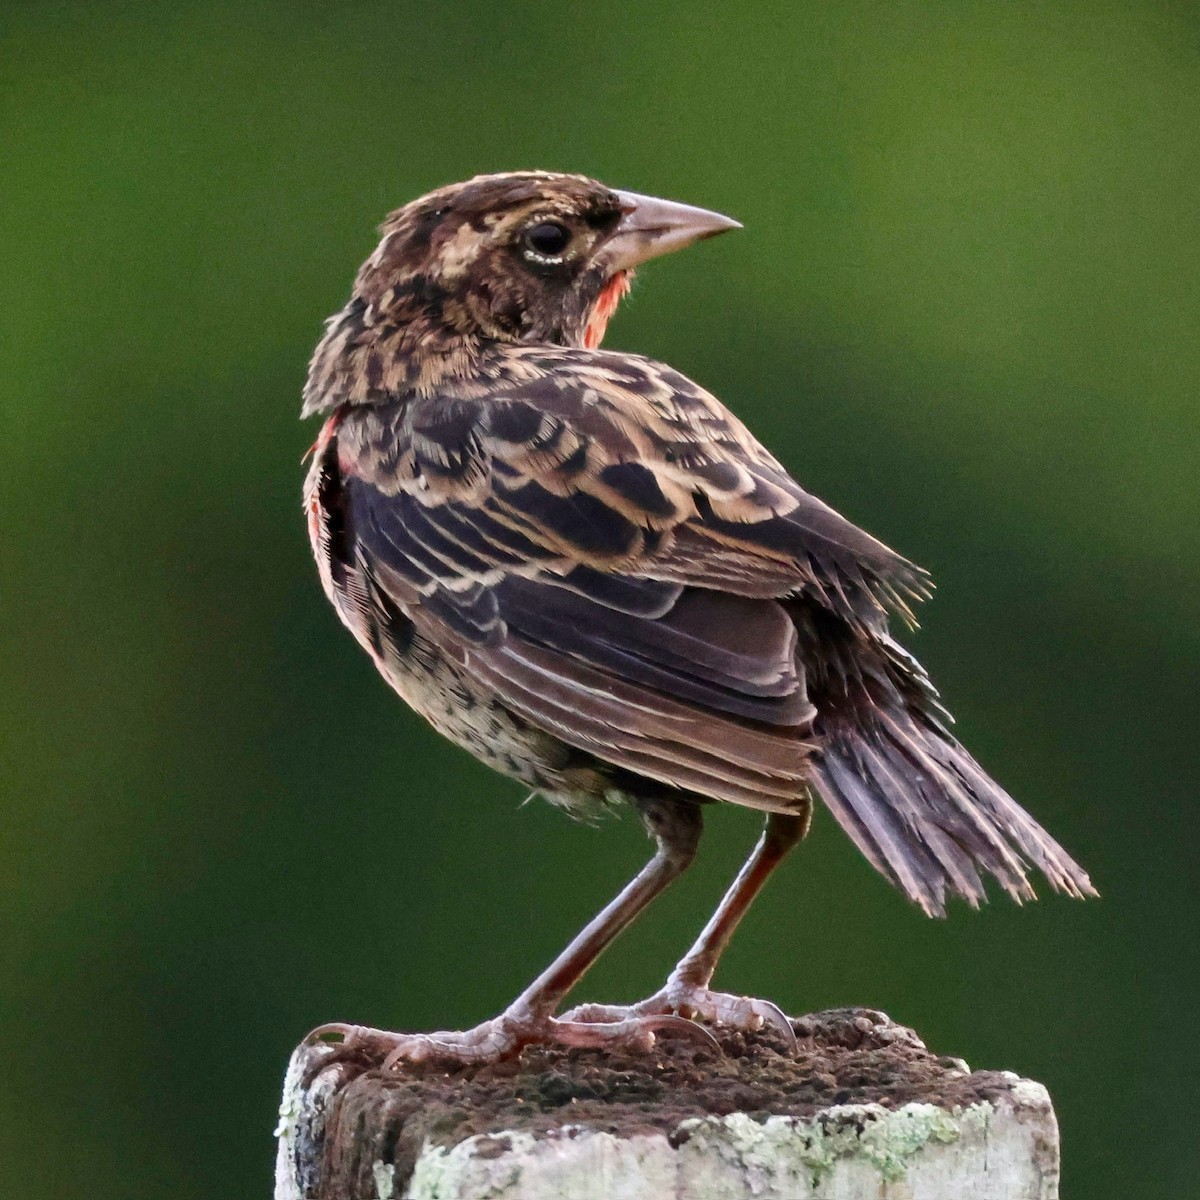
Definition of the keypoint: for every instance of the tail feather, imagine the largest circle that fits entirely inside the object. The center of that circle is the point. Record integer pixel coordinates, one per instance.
(927, 817)
(913, 800)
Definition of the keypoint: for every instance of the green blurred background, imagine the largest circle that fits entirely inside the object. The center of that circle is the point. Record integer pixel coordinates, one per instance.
(964, 310)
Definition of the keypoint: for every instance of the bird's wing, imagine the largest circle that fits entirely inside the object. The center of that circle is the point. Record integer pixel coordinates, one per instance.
(602, 543)
(623, 465)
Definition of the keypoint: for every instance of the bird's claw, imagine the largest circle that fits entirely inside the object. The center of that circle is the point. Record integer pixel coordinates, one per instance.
(637, 1033)
(500, 1038)
(692, 1002)
(490, 1042)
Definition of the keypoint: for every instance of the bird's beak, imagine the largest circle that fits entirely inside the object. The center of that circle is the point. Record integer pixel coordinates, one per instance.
(651, 227)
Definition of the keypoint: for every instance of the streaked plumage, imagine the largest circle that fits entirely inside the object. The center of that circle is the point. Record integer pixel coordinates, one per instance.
(582, 567)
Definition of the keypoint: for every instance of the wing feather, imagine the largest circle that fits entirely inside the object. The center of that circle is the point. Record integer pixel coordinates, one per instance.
(605, 548)
(600, 551)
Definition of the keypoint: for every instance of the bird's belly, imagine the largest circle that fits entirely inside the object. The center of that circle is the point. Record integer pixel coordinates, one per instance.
(460, 709)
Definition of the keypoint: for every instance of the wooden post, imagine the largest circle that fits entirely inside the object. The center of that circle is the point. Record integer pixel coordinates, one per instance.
(863, 1112)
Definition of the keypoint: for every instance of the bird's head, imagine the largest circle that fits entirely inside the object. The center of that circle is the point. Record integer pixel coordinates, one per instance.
(529, 256)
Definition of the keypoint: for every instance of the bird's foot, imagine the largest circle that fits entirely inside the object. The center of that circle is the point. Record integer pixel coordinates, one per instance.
(502, 1037)
(693, 1001)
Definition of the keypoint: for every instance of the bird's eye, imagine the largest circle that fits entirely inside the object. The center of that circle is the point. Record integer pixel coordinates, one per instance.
(547, 239)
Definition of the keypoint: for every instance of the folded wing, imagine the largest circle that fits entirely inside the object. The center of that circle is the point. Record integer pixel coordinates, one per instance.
(613, 579)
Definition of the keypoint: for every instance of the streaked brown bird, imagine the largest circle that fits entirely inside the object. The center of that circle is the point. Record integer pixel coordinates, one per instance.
(581, 567)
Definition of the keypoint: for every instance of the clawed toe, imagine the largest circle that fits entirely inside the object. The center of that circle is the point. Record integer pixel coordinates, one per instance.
(694, 1003)
(772, 1016)
(502, 1038)
(347, 1044)
(629, 1031)
(735, 1012)
(380, 1049)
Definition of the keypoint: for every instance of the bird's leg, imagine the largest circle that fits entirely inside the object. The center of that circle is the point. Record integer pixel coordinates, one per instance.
(529, 1019)
(782, 833)
(686, 992)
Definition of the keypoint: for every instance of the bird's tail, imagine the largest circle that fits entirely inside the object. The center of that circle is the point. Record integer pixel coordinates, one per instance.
(913, 800)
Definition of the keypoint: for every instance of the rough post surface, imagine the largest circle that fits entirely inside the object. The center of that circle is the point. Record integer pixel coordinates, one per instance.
(863, 1111)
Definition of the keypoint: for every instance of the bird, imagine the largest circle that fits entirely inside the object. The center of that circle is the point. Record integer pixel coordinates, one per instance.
(580, 566)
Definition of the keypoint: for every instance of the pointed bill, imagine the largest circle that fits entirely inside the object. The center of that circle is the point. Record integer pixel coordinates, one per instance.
(653, 227)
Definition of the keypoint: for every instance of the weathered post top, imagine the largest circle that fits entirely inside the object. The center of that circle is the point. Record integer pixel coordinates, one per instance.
(864, 1110)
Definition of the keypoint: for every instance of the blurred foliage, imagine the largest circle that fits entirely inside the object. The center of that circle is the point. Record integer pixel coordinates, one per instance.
(964, 310)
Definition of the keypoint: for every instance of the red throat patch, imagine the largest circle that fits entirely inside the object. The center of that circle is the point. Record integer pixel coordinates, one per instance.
(605, 306)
